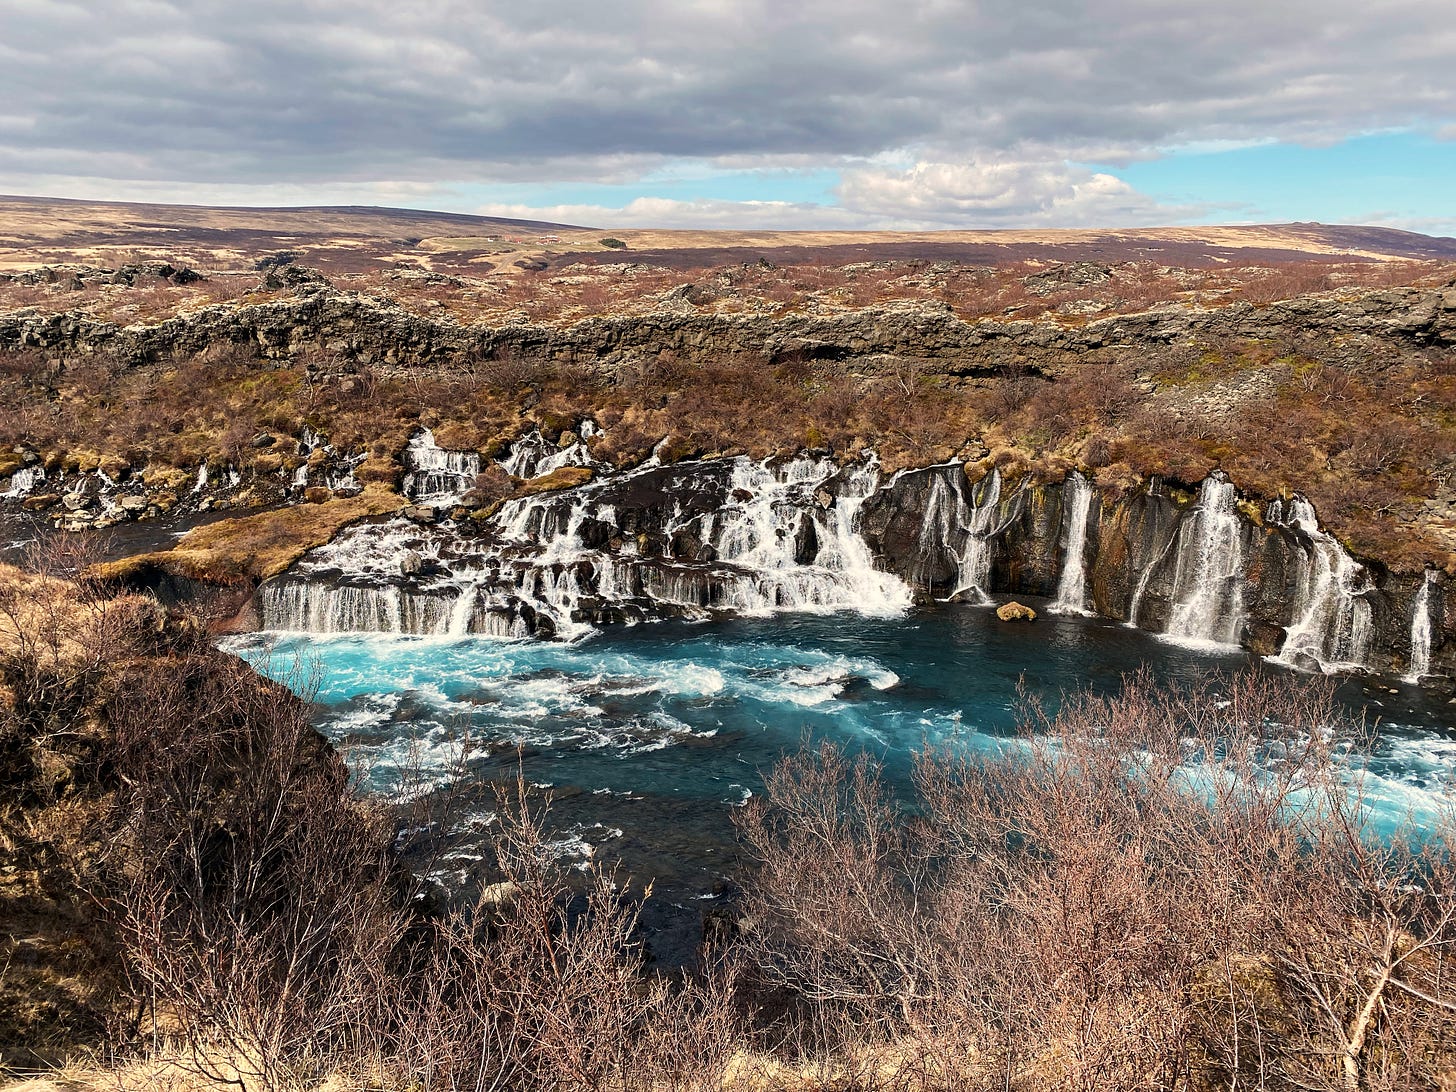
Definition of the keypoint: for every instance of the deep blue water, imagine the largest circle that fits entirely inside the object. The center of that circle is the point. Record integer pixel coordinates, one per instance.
(649, 736)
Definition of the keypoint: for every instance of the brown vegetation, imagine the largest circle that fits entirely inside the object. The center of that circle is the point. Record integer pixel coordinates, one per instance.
(1367, 446)
(1161, 890)
(1158, 890)
(253, 548)
(1007, 287)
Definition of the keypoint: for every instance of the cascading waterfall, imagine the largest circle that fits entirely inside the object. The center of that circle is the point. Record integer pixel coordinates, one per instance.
(961, 530)
(1421, 631)
(534, 456)
(1208, 573)
(754, 537)
(1332, 620)
(23, 482)
(785, 537)
(1078, 498)
(337, 470)
(435, 475)
(975, 567)
(765, 535)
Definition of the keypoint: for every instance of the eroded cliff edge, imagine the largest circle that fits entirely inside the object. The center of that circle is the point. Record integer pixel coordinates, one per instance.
(1367, 329)
(1340, 403)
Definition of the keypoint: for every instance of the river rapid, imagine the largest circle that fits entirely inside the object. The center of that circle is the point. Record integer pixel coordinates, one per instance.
(648, 737)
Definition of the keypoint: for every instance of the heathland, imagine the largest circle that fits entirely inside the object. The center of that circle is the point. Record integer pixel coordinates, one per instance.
(1172, 889)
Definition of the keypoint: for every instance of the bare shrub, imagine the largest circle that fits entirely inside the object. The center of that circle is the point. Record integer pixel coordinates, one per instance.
(1165, 889)
(539, 985)
(254, 895)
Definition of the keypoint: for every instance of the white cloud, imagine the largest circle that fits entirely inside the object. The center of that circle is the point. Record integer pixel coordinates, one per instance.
(660, 212)
(927, 196)
(989, 100)
(1001, 194)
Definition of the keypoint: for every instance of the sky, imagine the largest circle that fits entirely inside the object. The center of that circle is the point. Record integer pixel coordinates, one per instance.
(852, 114)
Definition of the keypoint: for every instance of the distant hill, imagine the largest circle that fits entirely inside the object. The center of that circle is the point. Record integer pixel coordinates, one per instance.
(50, 231)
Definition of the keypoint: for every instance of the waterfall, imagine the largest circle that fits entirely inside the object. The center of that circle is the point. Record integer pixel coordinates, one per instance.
(1078, 498)
(23, 482)
(960, 530)
(844, 550)
(1208, 595)
(1421, 631)
(337, 470)
(534, 456)
(759, 537)
(343, 480)
(353, 608)
(784, 536)
(975, 567)
(1332, 621)
(435, 475)
(201, 482)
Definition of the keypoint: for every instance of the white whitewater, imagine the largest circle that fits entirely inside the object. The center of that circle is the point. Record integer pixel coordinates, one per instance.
(962, 530)
(537, 573)
(761, 534)
(436, 475)
(1078, 497)
(1332, 623)
(534, 456)
(1208, 595)
(23, 482)
(1421, 631)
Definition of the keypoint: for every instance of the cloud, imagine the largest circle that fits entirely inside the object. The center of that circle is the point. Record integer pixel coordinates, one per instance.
(1002, 194)
(925, 197)
(992, 98)
(703, 215)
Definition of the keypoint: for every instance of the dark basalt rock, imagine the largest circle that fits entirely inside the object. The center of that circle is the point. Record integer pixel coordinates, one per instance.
(1358, 333)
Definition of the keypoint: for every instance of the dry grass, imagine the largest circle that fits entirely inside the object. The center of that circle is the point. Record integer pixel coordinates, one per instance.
(255, 547)
(1061, 914)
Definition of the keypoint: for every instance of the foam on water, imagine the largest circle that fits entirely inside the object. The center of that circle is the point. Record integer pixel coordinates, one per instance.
(533, 571)
(661, 730)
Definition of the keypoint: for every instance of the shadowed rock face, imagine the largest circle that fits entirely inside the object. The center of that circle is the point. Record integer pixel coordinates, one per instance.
(1152, 559)
(1370, 327)
(731, 535)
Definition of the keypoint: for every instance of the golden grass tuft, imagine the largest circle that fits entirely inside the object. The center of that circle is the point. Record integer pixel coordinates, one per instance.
(566, 477)
(256, 547)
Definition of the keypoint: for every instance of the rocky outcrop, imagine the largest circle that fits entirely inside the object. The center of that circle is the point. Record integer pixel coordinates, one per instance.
(1015, 612)
(1358, 330)
(1204, 566)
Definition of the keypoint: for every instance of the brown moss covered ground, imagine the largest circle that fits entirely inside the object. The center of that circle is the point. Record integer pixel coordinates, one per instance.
(252, 548)
(1372, 449)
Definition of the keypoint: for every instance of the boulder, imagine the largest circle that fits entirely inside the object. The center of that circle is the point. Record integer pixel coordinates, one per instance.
(499, 896)
(1015, 612)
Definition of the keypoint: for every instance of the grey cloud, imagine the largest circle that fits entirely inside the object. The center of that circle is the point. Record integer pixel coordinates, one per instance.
(986, 100)
(317, 89)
